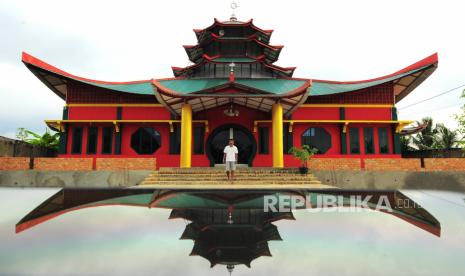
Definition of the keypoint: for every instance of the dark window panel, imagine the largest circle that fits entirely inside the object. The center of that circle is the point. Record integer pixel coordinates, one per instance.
(199, 133)
(317, 137)
(288, 139)
(107, 140)
(368, 137)
(175, 140)
(383, 136)
(354, 140)
(92, 138)
(145, 140)
(76, 146)
(263, 140)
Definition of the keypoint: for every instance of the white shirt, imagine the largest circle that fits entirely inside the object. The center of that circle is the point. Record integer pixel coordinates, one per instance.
(230, 153)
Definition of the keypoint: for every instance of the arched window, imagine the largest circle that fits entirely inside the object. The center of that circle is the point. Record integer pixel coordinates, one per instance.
(145, 140)
(317, 137)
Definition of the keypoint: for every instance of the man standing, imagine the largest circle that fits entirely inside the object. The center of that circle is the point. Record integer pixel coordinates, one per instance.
(230, 159)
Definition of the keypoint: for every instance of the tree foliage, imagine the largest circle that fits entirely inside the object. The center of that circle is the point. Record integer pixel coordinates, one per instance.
(425, 139)
(48, 139)
(460, 118)
(431, 137)
(303, 154)
(445, 138)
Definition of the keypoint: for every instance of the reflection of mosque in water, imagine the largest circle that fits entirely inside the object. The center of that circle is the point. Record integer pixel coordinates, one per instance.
(228, 227)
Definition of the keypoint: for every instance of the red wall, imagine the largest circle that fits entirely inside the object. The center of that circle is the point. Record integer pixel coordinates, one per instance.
(381, 94)
(217, 118)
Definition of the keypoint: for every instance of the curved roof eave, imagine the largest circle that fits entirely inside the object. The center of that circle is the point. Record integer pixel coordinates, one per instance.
(56, 79)
(404, 80)
(236, 23)
(182, 87)
(178, 71)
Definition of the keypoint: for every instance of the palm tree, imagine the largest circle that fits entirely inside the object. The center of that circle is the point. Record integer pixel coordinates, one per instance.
(445, 137)
(47, 139)
(425, 139)
(406, 143)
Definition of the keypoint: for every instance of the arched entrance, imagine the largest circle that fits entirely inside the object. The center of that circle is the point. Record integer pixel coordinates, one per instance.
(243, 138)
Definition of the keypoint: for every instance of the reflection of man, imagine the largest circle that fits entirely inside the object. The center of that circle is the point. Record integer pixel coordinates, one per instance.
(230, 159)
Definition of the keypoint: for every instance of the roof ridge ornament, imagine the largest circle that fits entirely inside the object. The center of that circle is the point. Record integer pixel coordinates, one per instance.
(234, 5)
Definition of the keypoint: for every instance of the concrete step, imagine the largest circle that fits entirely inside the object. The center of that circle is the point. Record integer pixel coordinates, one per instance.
(263, 183)
(217, 170)
(244, 176)
(236, 173)
(194, 178)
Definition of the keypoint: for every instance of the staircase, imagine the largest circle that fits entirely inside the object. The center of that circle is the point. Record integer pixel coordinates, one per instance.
(210, 178)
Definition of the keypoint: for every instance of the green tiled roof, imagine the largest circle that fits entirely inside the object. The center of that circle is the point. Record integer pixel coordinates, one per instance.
(321, 88)
(142, 88)
(274, 86)
(186, 86)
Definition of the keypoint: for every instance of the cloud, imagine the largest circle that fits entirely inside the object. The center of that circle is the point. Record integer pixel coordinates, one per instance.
(131, 40)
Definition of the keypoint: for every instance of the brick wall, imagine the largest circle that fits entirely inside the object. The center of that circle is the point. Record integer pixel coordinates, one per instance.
(445, 164)
(14, 163)
(324, 164)
(63, 164)
(392, 164)
(126, 164)
(337, 164)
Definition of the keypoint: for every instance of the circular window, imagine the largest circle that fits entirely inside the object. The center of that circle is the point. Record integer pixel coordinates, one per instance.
(145, 140)
(317, 137)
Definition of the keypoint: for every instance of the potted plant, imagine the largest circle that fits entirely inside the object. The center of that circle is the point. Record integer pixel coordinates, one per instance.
(303, 154)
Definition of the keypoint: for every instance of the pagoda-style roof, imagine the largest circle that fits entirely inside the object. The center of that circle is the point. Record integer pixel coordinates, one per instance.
(67, 200)
(233, 42)
(187, 71)
(289, 90)
(271, 52)
(204, 94)
(246, 27)
(404, 80)
(209, 216)
(231, 244)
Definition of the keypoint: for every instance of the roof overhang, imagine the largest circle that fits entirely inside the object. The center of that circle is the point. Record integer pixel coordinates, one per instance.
(271, 52)
(186, 71)
(58, 80)
(68, 200)
(219, 93)
(266, 34)
(404, 81)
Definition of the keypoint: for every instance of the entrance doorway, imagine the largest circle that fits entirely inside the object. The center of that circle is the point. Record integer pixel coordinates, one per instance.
(243, 139)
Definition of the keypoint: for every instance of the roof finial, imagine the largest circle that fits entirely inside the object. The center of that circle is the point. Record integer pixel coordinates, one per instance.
(230, 268)
(234, 6)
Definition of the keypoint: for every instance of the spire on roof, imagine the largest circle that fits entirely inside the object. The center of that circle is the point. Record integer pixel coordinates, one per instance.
(230, 268)
(234, 6)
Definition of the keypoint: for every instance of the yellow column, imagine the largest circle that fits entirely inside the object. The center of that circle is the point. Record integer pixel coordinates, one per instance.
(277, 125)
(186, 136)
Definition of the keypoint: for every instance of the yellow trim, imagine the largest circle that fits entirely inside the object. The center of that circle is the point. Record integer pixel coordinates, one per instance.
(116, 124)
(277, 127)
(186, 136)
(344, 129)
(350, 105)
(60, 123)
(400, 124)
(114, 105)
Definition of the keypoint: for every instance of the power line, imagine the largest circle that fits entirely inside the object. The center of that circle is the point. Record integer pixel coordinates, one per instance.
(430, 98)
(431, 110)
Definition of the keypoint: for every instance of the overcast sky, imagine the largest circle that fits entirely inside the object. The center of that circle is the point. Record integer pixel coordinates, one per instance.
(132, 40)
